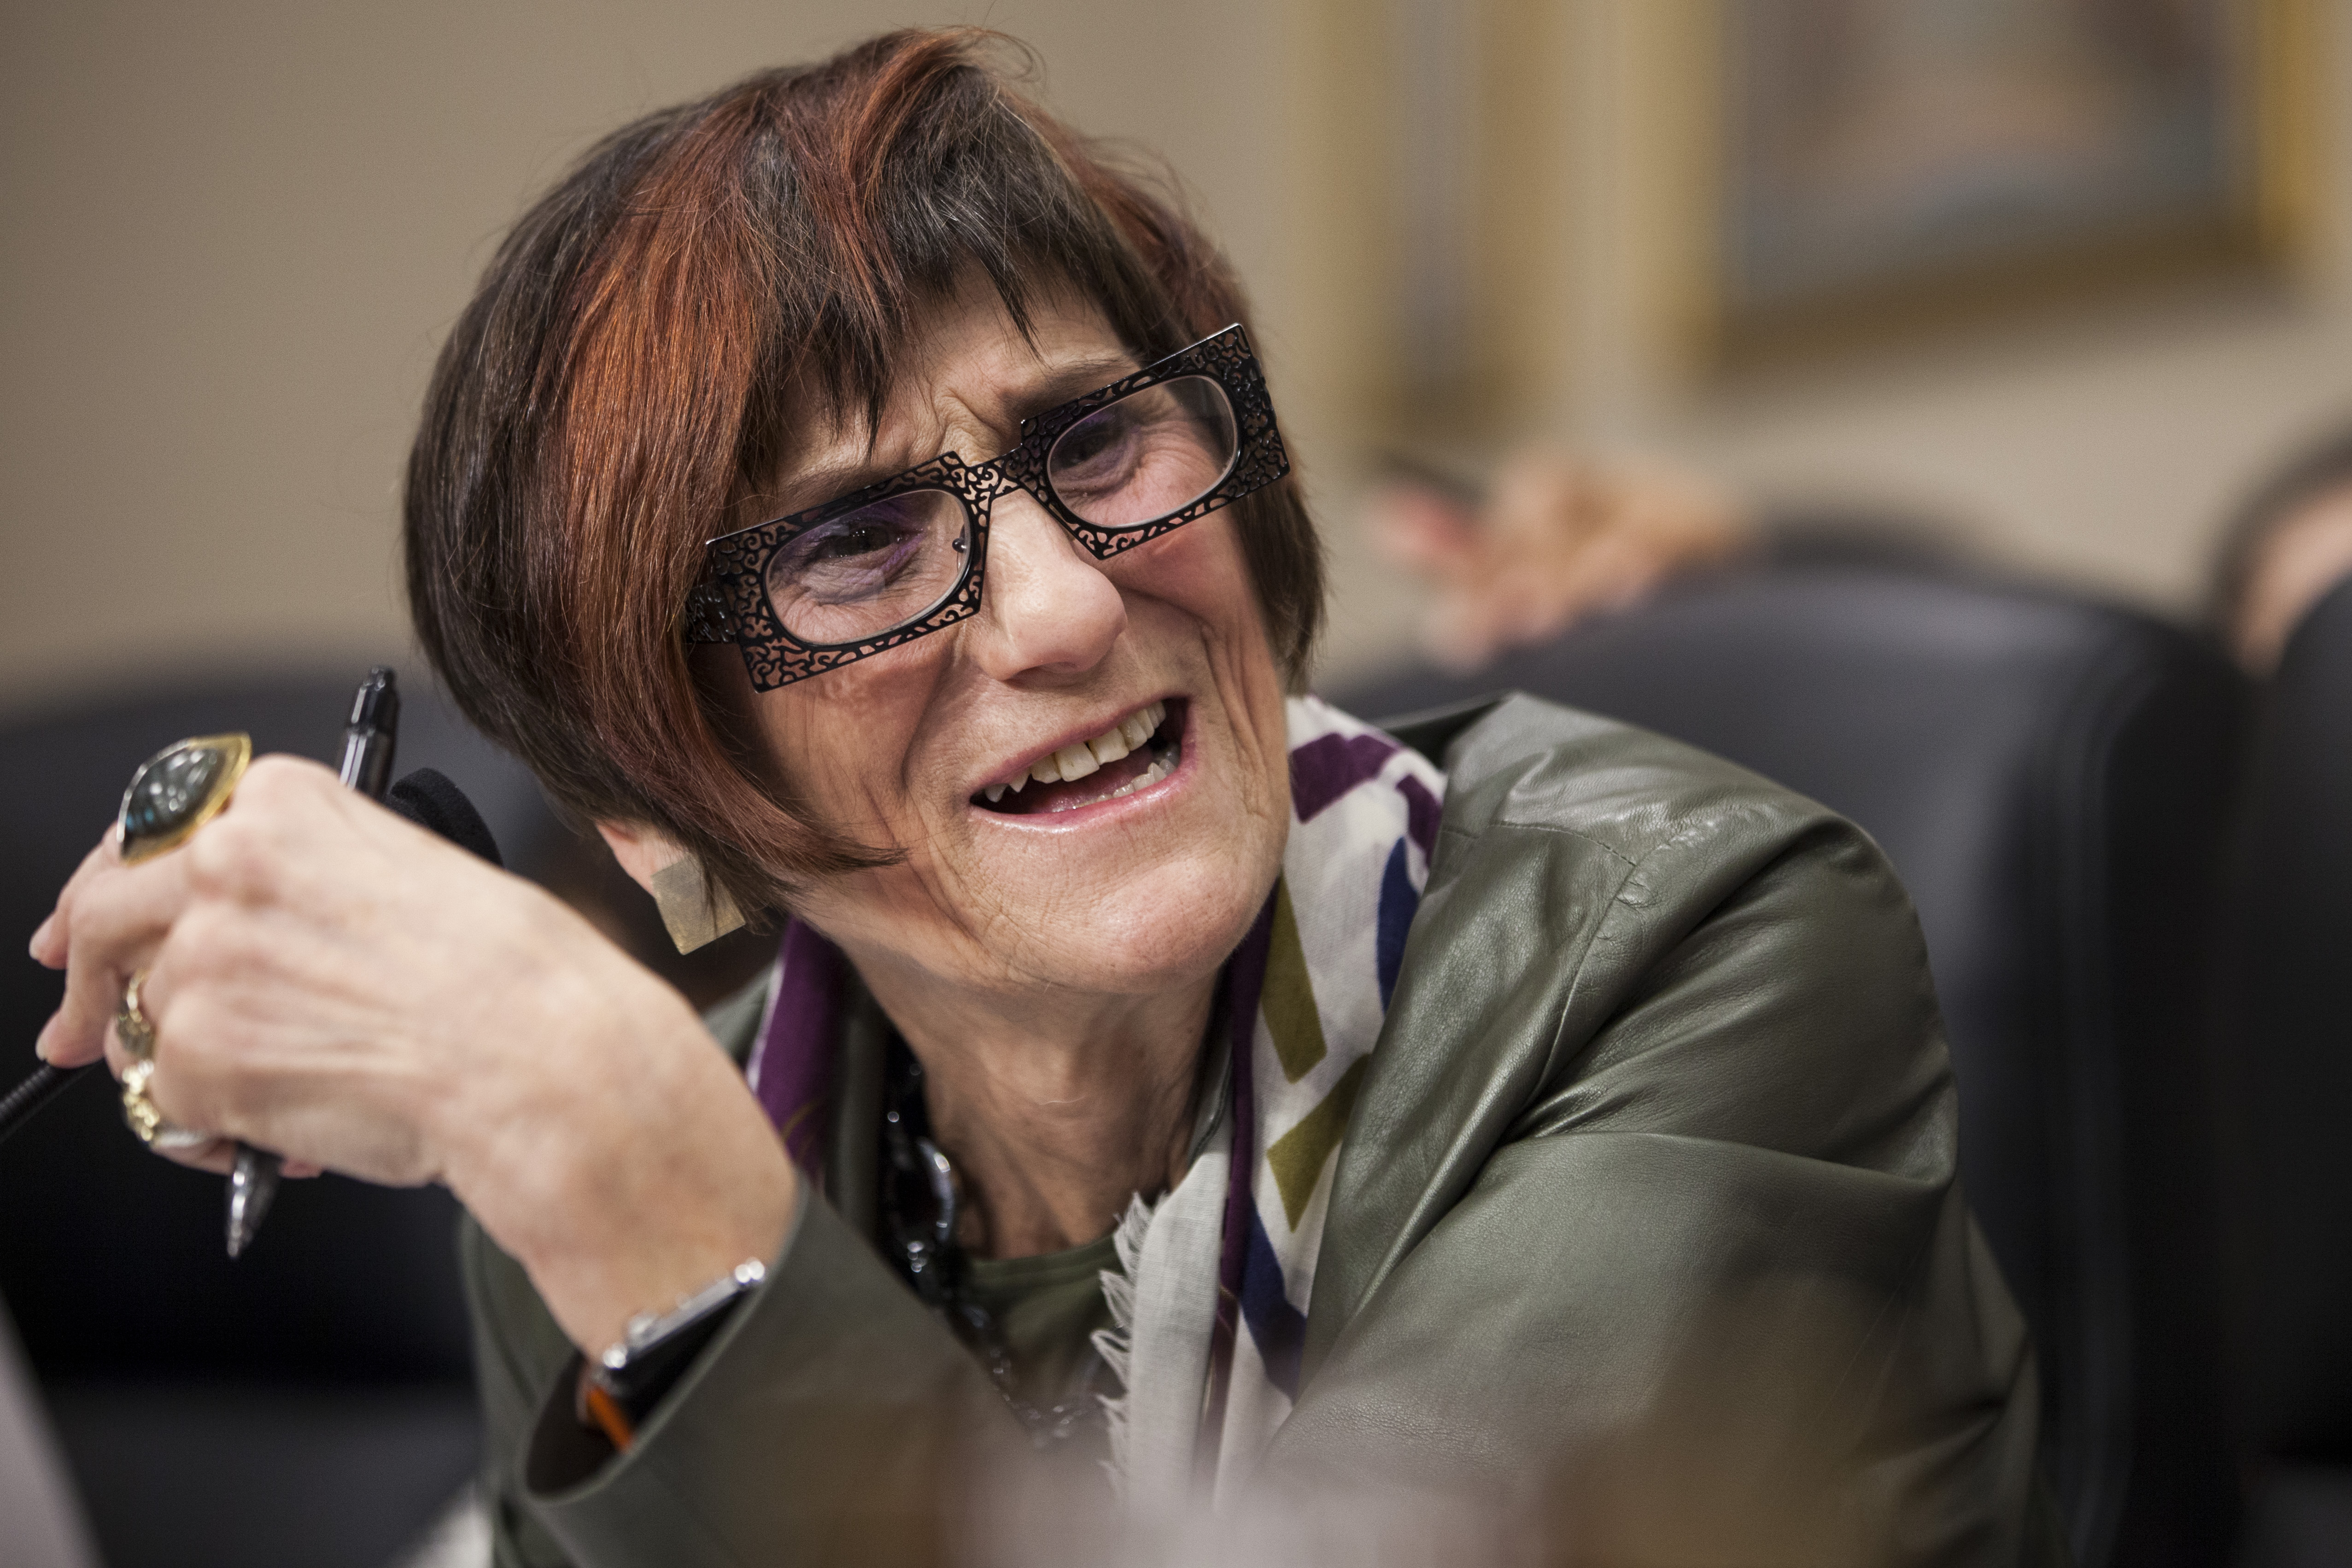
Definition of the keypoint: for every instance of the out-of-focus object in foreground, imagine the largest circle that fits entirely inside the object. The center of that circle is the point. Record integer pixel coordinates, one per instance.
(2289, 545)
(1558, 538)
(2287, 991)
(41, 1519)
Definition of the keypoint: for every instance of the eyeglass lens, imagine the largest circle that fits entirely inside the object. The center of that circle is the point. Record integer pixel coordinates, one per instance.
(1153, 452)
(868, 571)
(862, 573)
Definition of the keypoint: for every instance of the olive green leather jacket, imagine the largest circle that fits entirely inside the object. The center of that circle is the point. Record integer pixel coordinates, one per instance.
(1646, 1223)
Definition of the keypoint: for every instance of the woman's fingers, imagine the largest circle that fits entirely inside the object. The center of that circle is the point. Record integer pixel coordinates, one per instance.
(51, 939)
(178, 1144)
(217, 1155)
(111, 918)
(112, 925)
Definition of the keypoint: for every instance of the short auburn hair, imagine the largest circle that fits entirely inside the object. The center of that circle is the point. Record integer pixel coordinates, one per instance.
(645, 340)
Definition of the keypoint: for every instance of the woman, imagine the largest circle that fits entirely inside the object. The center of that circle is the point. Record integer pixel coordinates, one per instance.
(1155, 1068)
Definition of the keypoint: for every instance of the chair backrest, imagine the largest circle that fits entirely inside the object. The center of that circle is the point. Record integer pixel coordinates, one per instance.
(2286, 1046)
(2049, 778)
(113, 1260)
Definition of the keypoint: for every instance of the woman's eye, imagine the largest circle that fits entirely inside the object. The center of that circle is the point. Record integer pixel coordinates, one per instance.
(1148, 456)
(1093, 443)
(1101, 451)
(856, 557)
(868, 569)
(849, 542)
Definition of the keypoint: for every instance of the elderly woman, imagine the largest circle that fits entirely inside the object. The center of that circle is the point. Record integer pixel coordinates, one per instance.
(858, 498)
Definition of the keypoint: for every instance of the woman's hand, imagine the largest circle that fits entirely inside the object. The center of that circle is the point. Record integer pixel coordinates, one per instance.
(330, 981)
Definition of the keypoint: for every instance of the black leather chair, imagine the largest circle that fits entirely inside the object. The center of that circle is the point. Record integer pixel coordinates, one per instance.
(308, 1405)
(2050, 778)
(2286, 1044)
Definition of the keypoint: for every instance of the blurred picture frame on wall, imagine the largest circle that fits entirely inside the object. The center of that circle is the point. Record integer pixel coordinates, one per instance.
(1859, 170)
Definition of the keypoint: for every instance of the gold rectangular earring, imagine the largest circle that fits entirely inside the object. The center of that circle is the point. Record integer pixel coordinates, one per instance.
(697, 910)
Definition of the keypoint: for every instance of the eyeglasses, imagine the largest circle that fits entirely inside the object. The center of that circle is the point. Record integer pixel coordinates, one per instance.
(903, 558)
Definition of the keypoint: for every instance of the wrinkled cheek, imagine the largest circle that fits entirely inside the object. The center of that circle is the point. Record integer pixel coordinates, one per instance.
(888, 906)
(840, 742)
(1198, 566)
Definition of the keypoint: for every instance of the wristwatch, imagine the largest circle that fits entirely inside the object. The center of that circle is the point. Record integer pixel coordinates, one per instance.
(621, 1387)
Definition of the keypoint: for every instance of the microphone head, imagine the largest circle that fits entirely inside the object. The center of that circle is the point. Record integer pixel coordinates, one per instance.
(429, 799)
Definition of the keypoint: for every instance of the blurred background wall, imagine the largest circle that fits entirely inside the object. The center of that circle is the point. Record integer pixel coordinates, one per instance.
(235, 234)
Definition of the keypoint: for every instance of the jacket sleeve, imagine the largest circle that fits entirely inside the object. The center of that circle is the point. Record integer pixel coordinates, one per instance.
(1653, 1225)
(826, 1423)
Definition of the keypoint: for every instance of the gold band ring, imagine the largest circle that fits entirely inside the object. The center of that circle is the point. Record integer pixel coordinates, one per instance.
(146, 1120)
(137, 1033)
(137, 1108)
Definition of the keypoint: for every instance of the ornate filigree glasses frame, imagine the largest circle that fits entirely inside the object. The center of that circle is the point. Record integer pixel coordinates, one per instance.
(731, 604)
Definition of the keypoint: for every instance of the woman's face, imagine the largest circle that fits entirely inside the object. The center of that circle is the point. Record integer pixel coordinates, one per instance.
(1136, 879)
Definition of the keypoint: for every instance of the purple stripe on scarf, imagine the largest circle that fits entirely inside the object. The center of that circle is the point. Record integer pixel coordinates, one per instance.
(1278, 1328)
(1421, 814)
(1399, 904)
(1244, 982)
(792, 1071)
(1328, 766)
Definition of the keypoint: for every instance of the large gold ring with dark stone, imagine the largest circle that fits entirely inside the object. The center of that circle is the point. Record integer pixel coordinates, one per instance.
(177, 791)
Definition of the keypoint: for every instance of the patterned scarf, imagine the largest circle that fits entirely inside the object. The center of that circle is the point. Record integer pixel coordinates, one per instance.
(1209, 1303)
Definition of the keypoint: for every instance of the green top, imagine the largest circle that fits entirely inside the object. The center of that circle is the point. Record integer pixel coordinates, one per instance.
(1048, 1308)
(1647, 1212)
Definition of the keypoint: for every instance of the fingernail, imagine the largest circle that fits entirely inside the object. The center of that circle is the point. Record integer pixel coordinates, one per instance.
(41, 1046)
(40, 933)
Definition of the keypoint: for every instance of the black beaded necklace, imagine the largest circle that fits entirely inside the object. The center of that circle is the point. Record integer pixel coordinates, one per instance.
(920, 1210)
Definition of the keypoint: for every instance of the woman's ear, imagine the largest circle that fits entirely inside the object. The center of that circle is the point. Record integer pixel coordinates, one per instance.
(696, 910)
(643, 853)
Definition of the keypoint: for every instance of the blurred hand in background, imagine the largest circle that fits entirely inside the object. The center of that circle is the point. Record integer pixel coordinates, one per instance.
(1558, 538)
(2288, 567)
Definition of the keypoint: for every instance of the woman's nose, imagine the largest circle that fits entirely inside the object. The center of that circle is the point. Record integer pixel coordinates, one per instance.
(1045, 605)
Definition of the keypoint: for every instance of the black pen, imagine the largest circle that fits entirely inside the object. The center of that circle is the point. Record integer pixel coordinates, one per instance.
(368, 742)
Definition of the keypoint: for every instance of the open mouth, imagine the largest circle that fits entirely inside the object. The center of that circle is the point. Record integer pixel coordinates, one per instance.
(1133, 755)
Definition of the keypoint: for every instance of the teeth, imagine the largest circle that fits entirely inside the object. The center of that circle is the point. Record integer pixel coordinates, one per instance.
(1139, 727)
(1077, 761)
(1151, 776)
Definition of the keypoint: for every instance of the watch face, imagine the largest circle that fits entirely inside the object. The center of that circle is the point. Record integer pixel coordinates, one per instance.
(178, 790)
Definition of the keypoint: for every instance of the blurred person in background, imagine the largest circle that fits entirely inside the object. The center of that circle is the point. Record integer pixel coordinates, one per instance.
(2290, 543)
(858, 497)
(1560, 538)
(1557, 539)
